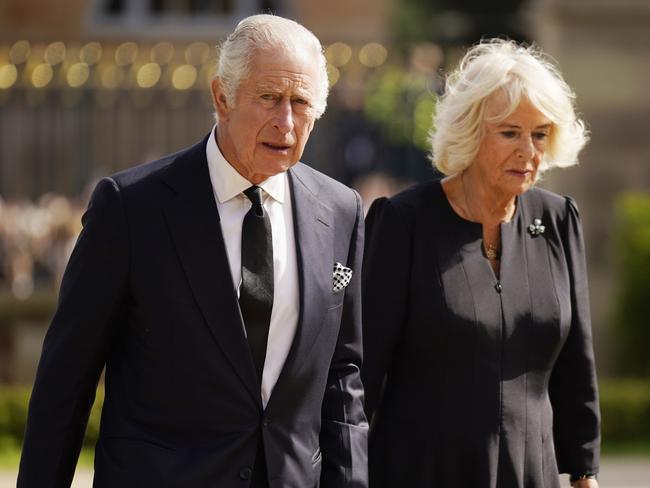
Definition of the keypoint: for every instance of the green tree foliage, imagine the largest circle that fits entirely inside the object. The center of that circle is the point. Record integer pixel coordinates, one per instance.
(14, 401)
(13, 415)
(625, 408)
(402, 103)
(457, 22)
(632, 310)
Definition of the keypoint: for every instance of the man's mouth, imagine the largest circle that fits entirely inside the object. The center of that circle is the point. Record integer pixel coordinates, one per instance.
(276, 147)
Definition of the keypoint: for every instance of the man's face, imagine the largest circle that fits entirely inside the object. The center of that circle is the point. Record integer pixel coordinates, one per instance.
(266, 130)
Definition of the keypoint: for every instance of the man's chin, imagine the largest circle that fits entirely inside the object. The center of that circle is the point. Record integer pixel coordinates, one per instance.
(266, 170)
(275, 167)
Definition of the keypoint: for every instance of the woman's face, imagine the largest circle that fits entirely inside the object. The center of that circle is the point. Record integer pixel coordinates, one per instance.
(512, 149)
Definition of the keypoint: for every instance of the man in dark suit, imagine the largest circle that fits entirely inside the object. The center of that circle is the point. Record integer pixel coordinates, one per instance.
(219, 286)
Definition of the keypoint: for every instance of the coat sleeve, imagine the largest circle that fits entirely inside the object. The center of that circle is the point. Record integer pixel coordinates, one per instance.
(92, 297)
(573, 386)
(344, 430)
(386, 275)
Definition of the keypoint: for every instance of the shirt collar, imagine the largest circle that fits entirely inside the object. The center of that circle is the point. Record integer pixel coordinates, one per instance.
(228, 183)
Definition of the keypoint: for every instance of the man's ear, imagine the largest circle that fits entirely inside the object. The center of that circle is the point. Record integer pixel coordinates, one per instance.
(219, 100)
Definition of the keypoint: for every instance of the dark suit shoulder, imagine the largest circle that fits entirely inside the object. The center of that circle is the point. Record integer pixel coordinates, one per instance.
(395, 216)
(332, 193)
(314, 179)
(136, 174)
(416, 195)
(558, 207)
(141, 173)
(409, 202)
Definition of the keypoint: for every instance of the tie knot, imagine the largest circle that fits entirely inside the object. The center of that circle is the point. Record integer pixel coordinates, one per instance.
(254, 194)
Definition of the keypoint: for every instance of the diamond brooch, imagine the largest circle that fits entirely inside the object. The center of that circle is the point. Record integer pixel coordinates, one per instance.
(536, 228)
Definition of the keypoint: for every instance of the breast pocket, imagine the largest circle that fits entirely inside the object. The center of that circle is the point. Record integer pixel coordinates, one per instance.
(336, 300)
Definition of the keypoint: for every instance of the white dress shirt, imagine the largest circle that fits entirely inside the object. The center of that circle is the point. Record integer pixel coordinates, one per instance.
(228, 186)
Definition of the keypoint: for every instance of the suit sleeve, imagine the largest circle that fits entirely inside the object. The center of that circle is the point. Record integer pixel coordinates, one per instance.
(344, 430)
(92, 296)
(573, 387)
(386, 271)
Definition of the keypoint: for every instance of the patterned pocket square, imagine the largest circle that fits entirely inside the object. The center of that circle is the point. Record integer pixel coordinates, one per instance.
(342, 276)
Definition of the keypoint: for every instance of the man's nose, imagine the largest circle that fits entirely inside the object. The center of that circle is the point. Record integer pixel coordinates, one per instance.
(283, 119)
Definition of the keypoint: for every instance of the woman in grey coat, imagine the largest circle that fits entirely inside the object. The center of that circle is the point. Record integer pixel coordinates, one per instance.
(479, 367)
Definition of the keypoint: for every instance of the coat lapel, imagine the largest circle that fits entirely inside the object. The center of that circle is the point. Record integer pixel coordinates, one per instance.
(314, 234)
(193, 221)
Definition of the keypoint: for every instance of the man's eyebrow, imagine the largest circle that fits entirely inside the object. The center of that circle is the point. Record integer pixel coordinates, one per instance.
(298, 91)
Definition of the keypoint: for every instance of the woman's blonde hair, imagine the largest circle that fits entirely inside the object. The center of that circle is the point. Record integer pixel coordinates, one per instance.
(518, 72)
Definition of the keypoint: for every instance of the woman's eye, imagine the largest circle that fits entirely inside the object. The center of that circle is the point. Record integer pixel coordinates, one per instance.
(509, 134)
(540, 136)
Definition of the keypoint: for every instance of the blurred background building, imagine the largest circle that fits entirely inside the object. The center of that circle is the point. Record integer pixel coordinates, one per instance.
(89, 87)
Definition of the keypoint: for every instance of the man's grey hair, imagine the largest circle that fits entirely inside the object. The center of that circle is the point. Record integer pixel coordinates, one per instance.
(270, 33)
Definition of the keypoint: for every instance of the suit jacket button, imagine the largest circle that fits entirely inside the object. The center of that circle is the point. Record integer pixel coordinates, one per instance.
(245, 473)
(265, 422)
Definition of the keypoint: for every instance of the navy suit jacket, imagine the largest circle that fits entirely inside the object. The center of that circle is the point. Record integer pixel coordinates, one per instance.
(148, 294)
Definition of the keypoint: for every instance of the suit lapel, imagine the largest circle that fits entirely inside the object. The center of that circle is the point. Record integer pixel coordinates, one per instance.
(314, 234)
(193, 221)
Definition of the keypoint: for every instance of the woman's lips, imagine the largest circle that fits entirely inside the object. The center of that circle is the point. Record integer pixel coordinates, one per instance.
(520, 173)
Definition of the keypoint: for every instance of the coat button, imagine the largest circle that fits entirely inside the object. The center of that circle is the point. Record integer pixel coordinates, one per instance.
(265, 422)
(498, 287)
(245, 473)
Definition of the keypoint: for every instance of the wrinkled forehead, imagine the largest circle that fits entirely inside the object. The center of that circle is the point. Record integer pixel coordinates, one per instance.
(302, 56)
(284, 68)
(284, 85)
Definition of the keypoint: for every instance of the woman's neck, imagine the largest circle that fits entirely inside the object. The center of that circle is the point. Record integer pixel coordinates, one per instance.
(483, 204)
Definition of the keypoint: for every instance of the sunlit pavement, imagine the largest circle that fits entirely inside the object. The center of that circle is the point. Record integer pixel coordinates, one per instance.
(618, 472)
(623, 472)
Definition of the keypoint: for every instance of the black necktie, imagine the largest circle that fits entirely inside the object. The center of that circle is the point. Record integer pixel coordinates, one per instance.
(256, 291)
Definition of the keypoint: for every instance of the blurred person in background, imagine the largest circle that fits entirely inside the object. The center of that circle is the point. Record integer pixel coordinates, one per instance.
(478, 358)
(37, 239)
(218, 286)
